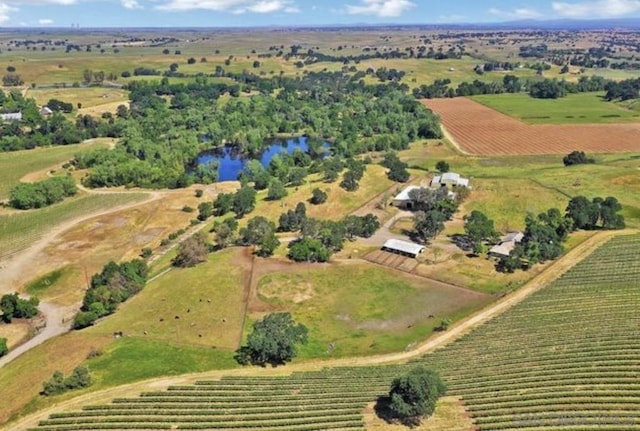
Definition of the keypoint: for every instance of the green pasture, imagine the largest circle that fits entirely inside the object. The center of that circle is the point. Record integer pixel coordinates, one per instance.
(360, 309)
(15, 165)
(200, 306)
(581, 108)
(21, 229)
(507, 187)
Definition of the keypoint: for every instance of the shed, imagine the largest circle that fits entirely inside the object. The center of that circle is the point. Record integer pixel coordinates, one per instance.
(46, 111)
(449, 179)
(506, 244)
(404, 248)
(403, 200)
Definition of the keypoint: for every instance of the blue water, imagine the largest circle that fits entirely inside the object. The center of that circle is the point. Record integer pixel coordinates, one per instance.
(231, 163)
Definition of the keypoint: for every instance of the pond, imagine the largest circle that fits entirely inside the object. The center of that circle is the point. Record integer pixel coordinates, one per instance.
(231, 162)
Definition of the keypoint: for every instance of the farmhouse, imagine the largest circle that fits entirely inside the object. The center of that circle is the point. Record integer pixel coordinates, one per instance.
(403, 200)
(404, 248)
(11, 116)
(506, 244)
(449, 179)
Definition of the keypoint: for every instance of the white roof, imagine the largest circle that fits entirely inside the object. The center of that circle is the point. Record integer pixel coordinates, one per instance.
(12, 116)
(513, 237)
(451, 176)
(463, 182)
(436, 179)
(404, 194)
(404, 246)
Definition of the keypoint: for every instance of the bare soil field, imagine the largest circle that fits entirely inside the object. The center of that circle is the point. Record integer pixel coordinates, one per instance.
(479, 130)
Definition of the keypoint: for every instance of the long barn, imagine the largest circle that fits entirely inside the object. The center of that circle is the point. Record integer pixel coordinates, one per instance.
(404, 248)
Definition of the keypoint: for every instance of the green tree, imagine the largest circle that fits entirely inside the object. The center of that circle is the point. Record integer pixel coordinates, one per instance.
(205, 210)
(414, 395)
(4, 349)
(244, 201)
(442, 166)
(14, 307)
(318, 196)
(308, 250)
(479, 228)
(276, 190)
(577, 158)
(273, 341)
(428, 225)
(223, 203)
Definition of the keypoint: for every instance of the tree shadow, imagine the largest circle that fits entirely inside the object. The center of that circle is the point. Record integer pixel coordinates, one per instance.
(383, 410)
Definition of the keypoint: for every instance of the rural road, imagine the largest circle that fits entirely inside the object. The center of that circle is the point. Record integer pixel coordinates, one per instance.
(13, 269)
(461, 328)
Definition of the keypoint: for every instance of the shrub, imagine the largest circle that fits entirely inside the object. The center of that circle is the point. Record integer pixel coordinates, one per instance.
(4, 349)
(318, 196)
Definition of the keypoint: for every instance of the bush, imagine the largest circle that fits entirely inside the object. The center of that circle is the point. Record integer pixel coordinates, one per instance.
(146, 253)
(308, 250)
(79, 378)
(199, 193)
(4, 349)
(14, 307)
(577, 158)
(187, 209)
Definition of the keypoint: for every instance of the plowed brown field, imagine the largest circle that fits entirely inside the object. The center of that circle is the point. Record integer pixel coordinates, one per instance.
(480, 130)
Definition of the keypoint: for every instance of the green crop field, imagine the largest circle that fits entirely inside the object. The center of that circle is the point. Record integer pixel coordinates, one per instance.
(21, 229)
(17, 164)
(582, 108)
(565, 358)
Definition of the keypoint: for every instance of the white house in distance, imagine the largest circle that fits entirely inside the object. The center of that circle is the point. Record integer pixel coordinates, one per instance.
(404, 248)
(506, 244)
(449, 179)
(11, 116)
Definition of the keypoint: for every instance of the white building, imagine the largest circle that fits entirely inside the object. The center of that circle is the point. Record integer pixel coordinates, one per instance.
(11, 116)
(449, 179)
(404, 248)
(506, 244)
(403, 200)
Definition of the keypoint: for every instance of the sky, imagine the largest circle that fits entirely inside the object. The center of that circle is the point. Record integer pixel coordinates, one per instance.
(232, 13)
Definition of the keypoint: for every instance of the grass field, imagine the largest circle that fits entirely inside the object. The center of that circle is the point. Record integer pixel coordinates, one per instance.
(375, 311)
(87, 97)
(202, 306)
(507, 187)
(19, 230)
(582, 108)
(15, 165)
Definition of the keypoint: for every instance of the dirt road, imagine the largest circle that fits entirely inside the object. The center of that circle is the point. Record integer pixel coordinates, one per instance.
(554, 271)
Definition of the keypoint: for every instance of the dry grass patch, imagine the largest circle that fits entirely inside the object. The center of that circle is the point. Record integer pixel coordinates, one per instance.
(88, 97)
(450, 415)
(15, 333)
(23, 379)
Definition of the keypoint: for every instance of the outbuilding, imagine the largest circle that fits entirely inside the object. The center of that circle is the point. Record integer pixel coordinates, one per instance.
(404, 248)
(506, 244)
(449, 179)
(11, 116)
(403, 200)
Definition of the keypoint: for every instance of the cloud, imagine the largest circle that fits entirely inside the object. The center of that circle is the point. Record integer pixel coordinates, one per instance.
(45, 21)
(518, 13)
(596, 8)
(130, 4)
(380, 8)
(5, 9)
(234, 6)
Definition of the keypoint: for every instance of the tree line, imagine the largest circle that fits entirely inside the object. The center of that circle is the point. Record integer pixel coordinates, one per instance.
(43, 193)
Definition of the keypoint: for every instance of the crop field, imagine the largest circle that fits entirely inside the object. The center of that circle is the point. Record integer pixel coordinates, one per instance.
(581, 108)
(479, 130)
(17, 164)
(19, 230)
(565, 358)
